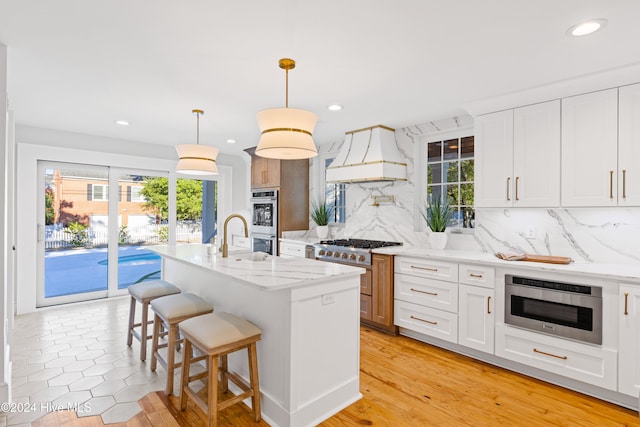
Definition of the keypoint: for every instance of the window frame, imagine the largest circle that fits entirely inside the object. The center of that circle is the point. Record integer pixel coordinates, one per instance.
(338, 187)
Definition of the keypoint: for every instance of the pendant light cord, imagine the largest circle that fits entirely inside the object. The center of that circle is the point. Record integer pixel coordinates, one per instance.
(286, 71)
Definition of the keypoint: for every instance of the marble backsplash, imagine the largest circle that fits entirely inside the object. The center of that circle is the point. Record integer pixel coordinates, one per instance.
(602, 235)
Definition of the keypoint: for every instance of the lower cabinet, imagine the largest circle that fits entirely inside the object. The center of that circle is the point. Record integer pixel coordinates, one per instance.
(476, 319)
(629, 340)
(376, 294)
(429, 321)
(582, 362)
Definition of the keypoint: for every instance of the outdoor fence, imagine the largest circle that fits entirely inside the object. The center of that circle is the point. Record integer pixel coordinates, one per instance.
(59, 237)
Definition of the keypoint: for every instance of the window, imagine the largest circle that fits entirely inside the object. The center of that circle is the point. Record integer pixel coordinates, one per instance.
(136, 194)
(450, 173)
(335, 196)
(100, 192)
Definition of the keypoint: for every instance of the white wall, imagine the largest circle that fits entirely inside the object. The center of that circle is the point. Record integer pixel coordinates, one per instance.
(5, 234)
(39, 144)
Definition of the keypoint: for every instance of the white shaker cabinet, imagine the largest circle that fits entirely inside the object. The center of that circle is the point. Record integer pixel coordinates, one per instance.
(629, 146)
(629, 340)
(518, 157)
(493, 159)
(476, 319)
(590, 149)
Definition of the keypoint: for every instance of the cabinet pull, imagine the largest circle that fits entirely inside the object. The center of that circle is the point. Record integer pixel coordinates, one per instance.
(626, 303)
(488, 305)
(425, 292)
(624, 183)
(549, 354)
(478, 276)
(517, 180)
(424, 268)
(508, 184)
(611, 184)
(422, 320)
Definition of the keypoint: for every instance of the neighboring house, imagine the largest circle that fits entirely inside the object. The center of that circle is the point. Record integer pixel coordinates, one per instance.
(84, 199)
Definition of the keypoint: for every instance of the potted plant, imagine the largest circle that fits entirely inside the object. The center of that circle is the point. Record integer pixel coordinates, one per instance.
(437, 215)
(320, 213)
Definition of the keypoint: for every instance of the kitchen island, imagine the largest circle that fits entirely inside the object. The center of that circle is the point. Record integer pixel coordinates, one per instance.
(308, 358)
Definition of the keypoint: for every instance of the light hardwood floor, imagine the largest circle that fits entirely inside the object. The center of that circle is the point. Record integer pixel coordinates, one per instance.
(408, 383)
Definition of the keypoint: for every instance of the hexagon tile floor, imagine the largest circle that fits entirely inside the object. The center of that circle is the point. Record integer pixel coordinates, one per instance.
(77, 356)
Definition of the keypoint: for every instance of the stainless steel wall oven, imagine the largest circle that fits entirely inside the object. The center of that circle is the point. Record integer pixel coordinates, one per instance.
(264, 221)
(563, 309)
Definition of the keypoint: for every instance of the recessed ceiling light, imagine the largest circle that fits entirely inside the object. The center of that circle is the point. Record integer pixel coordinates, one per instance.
(335, 107)
(122, 122)
(231, 141)
(587, 27)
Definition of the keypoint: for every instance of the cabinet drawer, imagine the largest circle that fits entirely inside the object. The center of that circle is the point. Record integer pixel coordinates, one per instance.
(365, 283)
(291, 249)
(427, 268)
(428, 292)
(477, 275)
(429, 321)
(365, 307)
(590, 364)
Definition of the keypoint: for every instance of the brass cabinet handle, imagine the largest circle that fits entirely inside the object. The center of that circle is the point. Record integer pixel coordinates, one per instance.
(624, 183)
(611, 184)
(517, 179)
(508, 185)
(488, 305)
(424, 268)
(549, 354)
(424, 292)
(422, 320)
(626, 303)
(479, 276)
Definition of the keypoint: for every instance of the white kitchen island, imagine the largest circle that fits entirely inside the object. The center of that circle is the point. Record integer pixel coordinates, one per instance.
(308, 358)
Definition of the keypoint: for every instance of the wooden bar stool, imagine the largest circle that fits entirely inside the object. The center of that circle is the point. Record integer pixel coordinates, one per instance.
(170, 311)
(215, 336)
(144, 293)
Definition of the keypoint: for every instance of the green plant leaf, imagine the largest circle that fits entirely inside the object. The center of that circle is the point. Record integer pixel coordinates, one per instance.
(320, 213)
(437, 214)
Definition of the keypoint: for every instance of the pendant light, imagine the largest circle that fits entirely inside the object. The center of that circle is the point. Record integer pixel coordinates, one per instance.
(196, 159)
(286, 133)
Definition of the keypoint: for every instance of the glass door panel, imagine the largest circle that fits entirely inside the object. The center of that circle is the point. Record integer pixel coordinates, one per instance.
(72, 233)
(143, 222)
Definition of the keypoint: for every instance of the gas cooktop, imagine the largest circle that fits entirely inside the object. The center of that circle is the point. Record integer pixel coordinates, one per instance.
(350, 251)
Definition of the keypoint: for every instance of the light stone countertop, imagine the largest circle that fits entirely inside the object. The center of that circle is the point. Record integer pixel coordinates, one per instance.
(274, 273)
(618, 272)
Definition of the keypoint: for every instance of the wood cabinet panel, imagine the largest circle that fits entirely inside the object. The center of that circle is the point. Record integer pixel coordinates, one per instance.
(365, 307)
(376, 287)
(365, 283)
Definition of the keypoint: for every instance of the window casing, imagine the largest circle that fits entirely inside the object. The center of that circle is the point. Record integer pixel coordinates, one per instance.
(335, 195)
(450, 172)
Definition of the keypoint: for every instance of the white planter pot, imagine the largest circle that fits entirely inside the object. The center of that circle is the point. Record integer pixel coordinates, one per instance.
(322, 231)
(438, 240)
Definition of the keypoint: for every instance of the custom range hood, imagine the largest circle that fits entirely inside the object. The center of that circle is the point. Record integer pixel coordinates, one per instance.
(369, 154)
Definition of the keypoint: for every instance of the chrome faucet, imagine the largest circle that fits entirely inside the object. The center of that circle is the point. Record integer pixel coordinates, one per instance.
(225, 246)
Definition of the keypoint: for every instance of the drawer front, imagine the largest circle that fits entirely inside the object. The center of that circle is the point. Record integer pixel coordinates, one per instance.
(429, 321)
(477, 275)
(292, 250)
(590, 364)
(365, 307)
(425, 268)
(428, 292)
(365, 283)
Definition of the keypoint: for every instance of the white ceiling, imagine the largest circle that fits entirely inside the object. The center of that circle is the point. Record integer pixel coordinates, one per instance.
(79, 65)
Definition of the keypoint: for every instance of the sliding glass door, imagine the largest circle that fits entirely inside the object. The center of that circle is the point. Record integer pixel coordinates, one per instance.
(96, 226)
(72, 233)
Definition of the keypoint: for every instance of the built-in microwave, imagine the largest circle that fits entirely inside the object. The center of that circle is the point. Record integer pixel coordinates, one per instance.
(563, 309)
(264, 212)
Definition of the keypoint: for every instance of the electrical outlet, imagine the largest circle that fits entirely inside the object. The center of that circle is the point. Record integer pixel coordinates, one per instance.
(531, 232)
(328, 299)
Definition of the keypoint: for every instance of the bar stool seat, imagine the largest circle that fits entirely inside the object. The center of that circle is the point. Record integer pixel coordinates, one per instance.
(215, 336)
(144, 293)
(170, 311)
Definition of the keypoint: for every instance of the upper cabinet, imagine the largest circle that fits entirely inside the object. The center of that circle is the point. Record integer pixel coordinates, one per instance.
(291, 179)
(629, 146)
(590, 149)
(518, 157)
